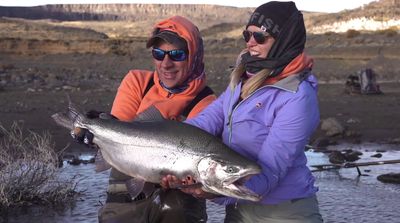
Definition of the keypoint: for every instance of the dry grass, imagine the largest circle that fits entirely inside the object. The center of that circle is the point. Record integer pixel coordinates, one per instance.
(390, 32)
(29, 171)
(351, 33)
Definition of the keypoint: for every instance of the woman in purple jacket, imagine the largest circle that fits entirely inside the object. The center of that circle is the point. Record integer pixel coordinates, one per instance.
(267, 114)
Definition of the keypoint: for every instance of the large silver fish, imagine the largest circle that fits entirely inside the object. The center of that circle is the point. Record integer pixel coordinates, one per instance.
(149, 149)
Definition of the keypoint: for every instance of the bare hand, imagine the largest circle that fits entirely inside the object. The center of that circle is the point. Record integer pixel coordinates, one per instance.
(188, 185)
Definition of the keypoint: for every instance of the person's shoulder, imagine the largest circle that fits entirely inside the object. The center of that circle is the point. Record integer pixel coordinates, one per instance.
(138, 77)
(308, 85)
(139, 74)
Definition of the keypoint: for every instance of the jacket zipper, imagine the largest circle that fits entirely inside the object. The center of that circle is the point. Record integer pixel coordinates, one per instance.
(233, 110)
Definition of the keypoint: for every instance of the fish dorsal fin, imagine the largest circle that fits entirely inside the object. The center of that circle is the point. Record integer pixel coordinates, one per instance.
(152, 114)
(101, 163)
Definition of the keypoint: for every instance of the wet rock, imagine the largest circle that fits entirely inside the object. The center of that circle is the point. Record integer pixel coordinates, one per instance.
(91, 160)
(85, 161)
(332, 127)
(320, 144)
(352, 133)
(336, 157)
(390, 178)
(350, 151)
(353, 120)
(75, 161)
(352, 156)
(68, 157)
(377, 155)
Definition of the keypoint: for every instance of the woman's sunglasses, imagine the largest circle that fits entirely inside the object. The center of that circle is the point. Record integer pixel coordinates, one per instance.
(259, 37)
(175, 55)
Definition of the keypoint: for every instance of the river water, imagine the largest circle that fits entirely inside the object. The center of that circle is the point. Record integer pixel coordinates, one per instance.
(343, 195)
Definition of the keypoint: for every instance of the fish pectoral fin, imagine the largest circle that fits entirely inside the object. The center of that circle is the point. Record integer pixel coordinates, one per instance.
(134, 186)
(101, 163)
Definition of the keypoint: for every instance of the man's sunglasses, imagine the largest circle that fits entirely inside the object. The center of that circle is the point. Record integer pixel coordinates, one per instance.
(175, 55)
(260, 37)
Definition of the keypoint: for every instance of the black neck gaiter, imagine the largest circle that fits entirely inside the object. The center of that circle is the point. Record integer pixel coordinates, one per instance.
(288, 45)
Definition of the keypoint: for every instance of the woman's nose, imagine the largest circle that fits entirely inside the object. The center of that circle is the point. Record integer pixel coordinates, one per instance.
(252, 41)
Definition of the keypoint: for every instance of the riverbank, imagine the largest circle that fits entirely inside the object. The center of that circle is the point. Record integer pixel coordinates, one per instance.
(366, 118)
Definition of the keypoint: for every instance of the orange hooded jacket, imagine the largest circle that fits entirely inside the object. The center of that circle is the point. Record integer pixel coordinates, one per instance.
(129, 101)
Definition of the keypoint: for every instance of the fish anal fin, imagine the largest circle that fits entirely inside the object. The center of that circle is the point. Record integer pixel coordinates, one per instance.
(134, 186)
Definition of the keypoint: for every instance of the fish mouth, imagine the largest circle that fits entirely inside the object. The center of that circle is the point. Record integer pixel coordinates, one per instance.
(236, 187)
(228, 180)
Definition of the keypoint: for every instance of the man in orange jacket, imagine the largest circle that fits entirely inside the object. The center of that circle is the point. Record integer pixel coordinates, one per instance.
(177, 88)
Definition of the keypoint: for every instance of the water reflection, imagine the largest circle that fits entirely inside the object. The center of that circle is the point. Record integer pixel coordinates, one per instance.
(343, 195)
(346, 197)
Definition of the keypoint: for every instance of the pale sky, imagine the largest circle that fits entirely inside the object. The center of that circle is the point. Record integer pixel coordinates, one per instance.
(306, 5)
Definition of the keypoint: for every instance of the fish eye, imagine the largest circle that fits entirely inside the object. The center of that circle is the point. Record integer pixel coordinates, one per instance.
(232, 169)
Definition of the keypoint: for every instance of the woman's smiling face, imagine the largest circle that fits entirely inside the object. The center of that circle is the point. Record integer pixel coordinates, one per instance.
(257, 49)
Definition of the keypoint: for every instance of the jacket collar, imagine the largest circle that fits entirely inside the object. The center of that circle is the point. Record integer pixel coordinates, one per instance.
(292, 82)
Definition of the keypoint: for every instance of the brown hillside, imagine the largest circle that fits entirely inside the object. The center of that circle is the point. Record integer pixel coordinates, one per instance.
(42, 59)
(381, 10)
(202, 15)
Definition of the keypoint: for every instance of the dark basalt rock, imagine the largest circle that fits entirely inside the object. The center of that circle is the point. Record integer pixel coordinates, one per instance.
(390, 178)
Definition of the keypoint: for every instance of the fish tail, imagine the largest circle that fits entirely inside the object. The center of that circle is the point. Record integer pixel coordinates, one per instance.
(73, 112)
(70, 119)
(63, 120)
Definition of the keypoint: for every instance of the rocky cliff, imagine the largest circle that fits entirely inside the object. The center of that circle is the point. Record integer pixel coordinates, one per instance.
(201, 14)
(378, 15)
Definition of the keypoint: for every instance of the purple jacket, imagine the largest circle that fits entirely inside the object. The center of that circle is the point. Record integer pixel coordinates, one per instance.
(272, 127)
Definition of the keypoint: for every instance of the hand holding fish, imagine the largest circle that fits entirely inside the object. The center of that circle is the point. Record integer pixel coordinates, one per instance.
(83, 135)
(188, 185)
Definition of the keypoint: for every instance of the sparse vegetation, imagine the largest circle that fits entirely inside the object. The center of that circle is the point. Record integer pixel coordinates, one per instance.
(29, 171)
(329, 33)
(390, 32)
(351, 33)
(6, 67)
